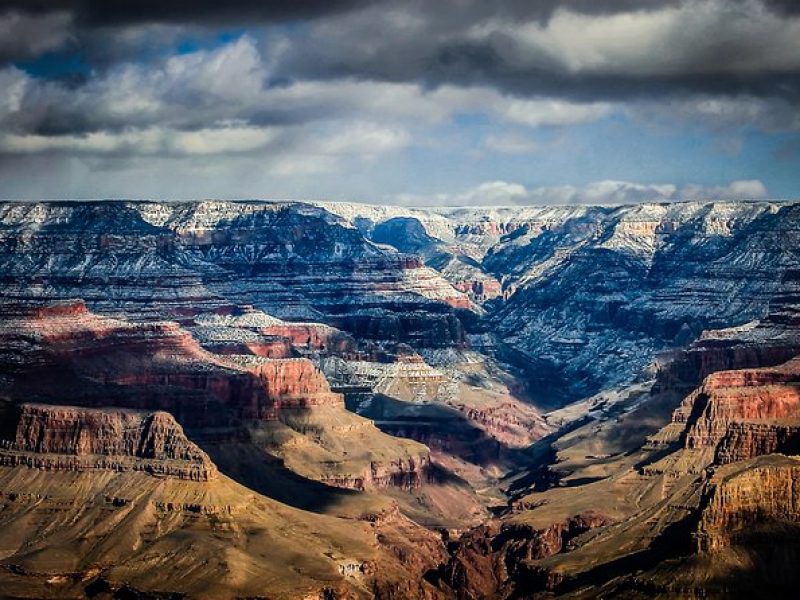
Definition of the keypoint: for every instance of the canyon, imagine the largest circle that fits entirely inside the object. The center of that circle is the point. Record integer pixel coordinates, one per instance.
(265, 399)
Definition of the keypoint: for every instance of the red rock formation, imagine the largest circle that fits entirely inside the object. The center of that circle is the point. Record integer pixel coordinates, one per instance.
(491, 555)
(743, 441)
(77, 439)
(72, 308)
(314, 336)
(744, 413)
(163, 356)
(407, 548)
(295, 383)
(407, 473)
(96, 361)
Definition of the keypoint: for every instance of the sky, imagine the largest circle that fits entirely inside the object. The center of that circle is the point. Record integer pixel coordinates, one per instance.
(416, 102)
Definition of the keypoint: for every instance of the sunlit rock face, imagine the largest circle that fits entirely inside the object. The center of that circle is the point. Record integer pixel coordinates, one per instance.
(139, 339)
(64, 354)
(68, 438)
(109, 499)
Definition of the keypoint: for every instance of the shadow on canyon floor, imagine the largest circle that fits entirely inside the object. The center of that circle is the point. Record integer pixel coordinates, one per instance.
(441, 428)
(252, 467)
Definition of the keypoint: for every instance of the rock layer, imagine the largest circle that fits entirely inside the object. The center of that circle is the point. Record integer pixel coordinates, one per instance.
(285, 407)
(72, 438)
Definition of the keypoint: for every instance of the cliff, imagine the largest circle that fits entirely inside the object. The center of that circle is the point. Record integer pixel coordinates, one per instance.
(78, 439)
(489, 560)
(282, 406)
(180, 260)
(745, 498)
(744, 413)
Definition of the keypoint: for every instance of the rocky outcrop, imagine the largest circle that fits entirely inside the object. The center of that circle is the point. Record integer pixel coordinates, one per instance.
(744, 413)
(763, 343)
(490, 559)
(406, 473)
(744, 499)
(77, 439)
(283, 406)
(160, 357)
(291, 382)
(593, 298)
(746, 440)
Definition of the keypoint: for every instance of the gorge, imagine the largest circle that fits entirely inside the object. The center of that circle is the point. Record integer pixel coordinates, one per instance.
(219, 399)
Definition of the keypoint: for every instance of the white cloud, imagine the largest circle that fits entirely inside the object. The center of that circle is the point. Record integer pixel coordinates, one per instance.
(749, 189)
(143, 142)
(539, 112)
(364, 139)
(720, 113)
(13, 87)
(609, 192)
(510, 143)
(693, 37)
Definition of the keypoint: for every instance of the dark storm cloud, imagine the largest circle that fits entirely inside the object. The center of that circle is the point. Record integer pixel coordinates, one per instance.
(25, 36)
(727, 48)
(516, 46)
(786, 7)
(726, 63)
(122, 12)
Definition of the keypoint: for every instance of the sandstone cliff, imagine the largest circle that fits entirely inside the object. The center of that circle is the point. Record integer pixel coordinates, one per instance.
(77, 439)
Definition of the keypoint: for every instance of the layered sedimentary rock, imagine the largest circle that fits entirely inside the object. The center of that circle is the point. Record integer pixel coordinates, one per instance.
(765, 342)
(221, 312)
(705, 507)
(135, 532)
(159, 358)
(597, 295)
(463, 412)
(285, 407)
(744, 413)
(77, 439)
(589, 295)
(744, 498)
(178, 260)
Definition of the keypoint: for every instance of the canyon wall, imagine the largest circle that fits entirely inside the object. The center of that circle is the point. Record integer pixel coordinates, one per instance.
(80, 439)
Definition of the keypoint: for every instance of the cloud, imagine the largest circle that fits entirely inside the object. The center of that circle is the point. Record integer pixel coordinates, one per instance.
(208, 89)
(98, 13)
(321, 87)
(510, 143)
(581, 50)
(25, 36)
(503, 193)
(744, 189)
(553, 112)
(538, 64)
(149, 141)
(618, 50)
(720, 114)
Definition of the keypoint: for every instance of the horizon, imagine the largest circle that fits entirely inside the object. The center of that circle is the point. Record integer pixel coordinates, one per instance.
(323, 202)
